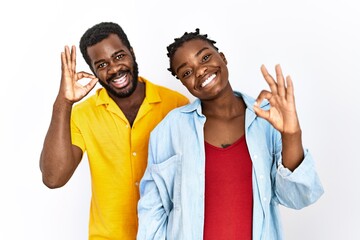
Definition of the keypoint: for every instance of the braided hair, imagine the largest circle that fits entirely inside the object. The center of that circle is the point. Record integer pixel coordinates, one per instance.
(178, 42)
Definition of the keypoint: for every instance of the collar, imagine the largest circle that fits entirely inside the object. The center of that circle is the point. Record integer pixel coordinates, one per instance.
(249, 102)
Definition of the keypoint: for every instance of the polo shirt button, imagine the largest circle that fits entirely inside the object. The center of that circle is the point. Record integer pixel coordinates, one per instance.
(134, 154)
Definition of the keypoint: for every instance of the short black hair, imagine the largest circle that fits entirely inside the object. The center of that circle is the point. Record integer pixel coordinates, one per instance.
(99, 32)
(178, 42)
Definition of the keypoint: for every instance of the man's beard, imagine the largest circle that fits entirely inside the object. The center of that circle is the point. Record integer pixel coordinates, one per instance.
(124, 94)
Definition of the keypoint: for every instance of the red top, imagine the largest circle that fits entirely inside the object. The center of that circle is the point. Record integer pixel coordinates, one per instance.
(228, 192)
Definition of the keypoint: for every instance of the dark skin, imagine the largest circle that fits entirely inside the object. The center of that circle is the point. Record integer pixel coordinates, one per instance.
(203, 71)
(59, 158)
(108, 58)
(225, 113)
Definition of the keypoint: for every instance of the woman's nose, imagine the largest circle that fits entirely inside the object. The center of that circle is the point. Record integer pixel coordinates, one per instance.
(201, 71)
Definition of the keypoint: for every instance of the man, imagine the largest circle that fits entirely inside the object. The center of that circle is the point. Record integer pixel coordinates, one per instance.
(112, 126)
(230, 160)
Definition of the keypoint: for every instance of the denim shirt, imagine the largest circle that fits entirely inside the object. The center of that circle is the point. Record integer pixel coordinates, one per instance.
(171, 204)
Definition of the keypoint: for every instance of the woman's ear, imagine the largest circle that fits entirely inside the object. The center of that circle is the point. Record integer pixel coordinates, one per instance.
(223, 57)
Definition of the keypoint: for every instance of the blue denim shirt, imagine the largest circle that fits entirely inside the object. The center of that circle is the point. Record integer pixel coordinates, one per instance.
(172, 189)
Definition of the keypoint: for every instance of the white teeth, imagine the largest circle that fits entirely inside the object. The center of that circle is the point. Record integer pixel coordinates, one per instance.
(207, 81)
(118, 80)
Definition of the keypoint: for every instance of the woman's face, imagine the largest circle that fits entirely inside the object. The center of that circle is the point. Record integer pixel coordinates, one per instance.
(201, 69)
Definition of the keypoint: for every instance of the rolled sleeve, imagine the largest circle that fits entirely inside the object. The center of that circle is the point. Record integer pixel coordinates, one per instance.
(301, 187)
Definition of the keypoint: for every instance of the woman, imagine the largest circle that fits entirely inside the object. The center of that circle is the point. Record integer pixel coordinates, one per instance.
(219, 167)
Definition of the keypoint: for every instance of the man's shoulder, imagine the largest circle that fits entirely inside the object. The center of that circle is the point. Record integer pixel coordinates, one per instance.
(166, 91)
(157, 86)
(163, 91)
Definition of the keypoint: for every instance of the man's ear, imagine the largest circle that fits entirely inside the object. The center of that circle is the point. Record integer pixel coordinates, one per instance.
(132, 52)
(223, 57)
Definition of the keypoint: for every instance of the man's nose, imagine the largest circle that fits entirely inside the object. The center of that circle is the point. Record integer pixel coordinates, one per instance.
(113, 68)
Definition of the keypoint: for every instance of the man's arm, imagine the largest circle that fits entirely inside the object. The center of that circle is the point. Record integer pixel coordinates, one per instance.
(59, 158)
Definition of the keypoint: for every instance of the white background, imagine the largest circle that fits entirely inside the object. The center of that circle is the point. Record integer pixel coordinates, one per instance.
(316, 42)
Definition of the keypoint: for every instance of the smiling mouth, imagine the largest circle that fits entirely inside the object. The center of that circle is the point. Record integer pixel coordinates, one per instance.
(208, 80)
(119, 81)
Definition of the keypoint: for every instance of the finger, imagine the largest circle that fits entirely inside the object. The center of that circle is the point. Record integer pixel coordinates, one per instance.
(290, 88)
(73, 59)
(64, 66)
(280, 81)
(264, 94)
(261, 112)
(63, 61)
(67, 56)
(90, 85)
(269, 79)
(83, 74)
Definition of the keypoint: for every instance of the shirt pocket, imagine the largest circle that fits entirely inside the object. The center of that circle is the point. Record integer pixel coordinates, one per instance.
(167, 177)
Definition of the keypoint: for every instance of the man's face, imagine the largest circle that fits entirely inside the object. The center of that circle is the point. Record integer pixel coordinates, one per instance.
(201, 69)
(114, 64)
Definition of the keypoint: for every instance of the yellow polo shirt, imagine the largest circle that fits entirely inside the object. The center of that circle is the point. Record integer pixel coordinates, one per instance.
(117, 155)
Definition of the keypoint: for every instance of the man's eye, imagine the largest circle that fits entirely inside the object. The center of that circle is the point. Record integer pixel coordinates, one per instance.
(120, 56)
(101, 65)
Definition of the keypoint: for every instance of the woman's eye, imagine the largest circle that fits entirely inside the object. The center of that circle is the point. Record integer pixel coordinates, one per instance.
(186, 74)
(206, 57)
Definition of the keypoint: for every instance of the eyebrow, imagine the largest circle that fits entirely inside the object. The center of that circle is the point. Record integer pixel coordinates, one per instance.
(113, 55)
(196, 55)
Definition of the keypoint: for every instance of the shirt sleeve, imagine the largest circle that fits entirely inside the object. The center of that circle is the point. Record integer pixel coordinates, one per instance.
(299, 188)
(76, 136)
